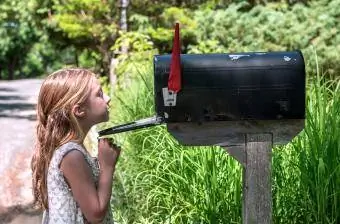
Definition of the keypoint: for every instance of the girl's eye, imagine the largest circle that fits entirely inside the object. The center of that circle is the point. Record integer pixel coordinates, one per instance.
(100, 93)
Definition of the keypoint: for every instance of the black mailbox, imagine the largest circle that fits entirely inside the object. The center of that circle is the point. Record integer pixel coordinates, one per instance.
(230, 87)
(224, 96)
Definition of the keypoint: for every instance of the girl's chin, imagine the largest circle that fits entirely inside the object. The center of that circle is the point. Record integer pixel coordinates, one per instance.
(107, 117)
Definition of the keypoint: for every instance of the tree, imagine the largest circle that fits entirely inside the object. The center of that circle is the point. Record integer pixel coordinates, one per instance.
(18, 33)
(84, 24)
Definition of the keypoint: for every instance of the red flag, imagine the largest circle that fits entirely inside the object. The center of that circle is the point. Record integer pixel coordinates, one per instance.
(174, 81)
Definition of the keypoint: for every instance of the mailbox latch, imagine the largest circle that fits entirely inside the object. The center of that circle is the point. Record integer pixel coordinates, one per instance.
(169, 97)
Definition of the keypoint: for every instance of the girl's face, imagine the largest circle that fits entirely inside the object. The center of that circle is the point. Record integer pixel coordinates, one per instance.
(96, 105)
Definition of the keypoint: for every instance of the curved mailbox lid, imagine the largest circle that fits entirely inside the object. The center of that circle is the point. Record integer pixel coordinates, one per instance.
(234, 87)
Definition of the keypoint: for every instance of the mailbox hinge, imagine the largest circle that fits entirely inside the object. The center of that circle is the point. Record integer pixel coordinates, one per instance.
(169, 97)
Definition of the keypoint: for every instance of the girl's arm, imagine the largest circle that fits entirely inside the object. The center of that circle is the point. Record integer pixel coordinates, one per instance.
(92, 202)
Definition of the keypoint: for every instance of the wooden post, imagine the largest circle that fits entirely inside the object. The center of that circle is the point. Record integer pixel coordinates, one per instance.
(257, 202)
(255, 157)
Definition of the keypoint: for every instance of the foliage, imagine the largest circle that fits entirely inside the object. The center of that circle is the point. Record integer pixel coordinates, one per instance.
(141, 50)
(18, 33)
(237, 28)
(307, 171)
(85, 25)
(160, 28)
(84, 19)
(274, 27)
(89, 28)
(151, 8)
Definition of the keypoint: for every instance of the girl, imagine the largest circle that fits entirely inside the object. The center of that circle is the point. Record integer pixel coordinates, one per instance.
(69, 184)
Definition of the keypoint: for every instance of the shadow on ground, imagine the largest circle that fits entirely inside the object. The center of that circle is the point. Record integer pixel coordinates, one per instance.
(7, 89)
(12, 212)
(14, 106)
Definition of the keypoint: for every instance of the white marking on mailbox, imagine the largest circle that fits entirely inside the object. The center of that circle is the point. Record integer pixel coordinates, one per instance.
(237, 56)
(169, 97)
(286, 58)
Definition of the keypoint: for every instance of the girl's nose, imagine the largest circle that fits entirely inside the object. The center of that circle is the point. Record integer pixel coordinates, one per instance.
(107, 99)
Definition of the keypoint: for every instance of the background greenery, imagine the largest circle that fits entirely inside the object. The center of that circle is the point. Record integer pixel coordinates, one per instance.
(39, 36)
(158, 180)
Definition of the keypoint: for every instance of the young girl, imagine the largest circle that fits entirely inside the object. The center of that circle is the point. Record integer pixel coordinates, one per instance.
(69, 184)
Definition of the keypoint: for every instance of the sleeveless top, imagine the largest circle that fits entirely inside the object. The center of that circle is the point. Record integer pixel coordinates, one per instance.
(63, 209)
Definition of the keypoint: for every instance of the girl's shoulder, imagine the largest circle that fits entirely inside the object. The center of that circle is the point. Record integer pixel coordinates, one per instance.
(62, 151)
(69, 146)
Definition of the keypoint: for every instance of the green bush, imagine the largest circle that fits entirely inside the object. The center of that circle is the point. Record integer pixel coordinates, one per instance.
(273, 27)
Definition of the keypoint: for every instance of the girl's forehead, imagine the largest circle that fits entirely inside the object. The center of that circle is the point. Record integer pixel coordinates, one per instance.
(95, 84)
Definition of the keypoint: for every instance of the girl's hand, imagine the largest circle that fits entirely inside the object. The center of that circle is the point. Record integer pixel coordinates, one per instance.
(108, 153)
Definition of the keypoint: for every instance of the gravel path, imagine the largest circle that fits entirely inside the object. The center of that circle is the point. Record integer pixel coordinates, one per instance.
(17, 121)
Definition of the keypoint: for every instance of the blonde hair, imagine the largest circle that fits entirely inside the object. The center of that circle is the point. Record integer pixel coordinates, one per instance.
(56, 123)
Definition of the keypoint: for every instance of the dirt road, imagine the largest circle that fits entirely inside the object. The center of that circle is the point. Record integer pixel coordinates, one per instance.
(17, 122)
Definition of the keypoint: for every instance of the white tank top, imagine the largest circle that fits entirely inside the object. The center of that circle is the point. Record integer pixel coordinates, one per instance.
(63, 209)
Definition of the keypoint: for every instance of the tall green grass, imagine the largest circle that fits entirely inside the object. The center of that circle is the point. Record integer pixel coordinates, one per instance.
(160, 181)
(320, 162)
(307, 171)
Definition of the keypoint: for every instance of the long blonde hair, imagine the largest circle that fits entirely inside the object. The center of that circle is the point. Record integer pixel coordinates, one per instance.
(56, 123)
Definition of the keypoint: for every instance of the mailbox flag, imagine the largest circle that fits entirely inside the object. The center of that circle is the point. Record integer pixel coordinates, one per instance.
(174, 81)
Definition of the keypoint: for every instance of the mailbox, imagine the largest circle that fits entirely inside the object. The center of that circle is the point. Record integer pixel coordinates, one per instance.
(224, 96)
(233, 87)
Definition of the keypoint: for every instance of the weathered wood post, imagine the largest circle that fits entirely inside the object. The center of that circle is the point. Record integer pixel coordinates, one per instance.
(257, 202)
(255, 158)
